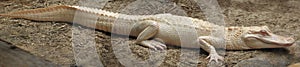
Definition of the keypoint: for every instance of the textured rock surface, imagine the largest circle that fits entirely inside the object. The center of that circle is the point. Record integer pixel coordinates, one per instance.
(12, 56)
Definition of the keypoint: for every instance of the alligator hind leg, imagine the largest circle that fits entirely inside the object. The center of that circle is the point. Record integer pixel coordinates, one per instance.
(150, 29)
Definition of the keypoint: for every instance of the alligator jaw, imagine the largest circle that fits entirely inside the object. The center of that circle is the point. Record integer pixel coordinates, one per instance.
(268, 41)
(271, 41)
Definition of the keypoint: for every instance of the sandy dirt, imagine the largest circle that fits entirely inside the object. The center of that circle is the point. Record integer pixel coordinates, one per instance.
(52, 40)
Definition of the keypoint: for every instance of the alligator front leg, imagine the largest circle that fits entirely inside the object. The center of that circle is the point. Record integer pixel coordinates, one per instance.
(206, 42)
(150, 30)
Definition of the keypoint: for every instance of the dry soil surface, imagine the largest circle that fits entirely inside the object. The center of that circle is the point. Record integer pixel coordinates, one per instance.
(52, 40)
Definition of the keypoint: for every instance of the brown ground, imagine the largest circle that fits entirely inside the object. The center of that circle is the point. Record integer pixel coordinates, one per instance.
(52, 41)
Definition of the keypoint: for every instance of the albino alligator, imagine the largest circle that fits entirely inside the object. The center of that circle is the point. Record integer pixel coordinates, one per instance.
(154, 30)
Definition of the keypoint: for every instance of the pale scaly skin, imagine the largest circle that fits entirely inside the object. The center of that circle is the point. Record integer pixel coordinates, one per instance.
(294, 65)
(162, 28)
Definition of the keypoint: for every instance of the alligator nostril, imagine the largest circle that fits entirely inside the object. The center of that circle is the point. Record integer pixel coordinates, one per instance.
(291, 39)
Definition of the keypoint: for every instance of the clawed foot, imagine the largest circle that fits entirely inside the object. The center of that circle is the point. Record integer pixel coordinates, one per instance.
(153, 44)
(215, 57)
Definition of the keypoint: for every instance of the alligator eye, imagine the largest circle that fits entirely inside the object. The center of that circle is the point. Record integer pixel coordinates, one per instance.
(263, 32)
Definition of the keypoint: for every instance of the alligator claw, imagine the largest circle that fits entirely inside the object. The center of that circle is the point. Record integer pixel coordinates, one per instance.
(153, 45)
(215, 57)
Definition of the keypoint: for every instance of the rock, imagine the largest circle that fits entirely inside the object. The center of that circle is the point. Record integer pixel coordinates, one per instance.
(269, 59)
(254, 62)
(12, 56)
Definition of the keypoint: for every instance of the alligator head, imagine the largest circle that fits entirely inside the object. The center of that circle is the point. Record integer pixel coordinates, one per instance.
(262, 37)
